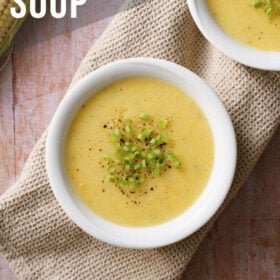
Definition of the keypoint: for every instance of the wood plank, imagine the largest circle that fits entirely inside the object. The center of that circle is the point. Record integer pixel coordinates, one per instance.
(7, 155)
(244, 243)
(5, 271)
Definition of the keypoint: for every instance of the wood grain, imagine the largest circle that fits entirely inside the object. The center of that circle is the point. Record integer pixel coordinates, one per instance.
(7, 145)
(243, 244)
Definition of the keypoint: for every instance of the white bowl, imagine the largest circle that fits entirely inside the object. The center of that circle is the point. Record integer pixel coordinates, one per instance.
(267, 60)
(208, 202)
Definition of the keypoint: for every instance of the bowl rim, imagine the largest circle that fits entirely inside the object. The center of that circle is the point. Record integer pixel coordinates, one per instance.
(140, 237)
(231, 47)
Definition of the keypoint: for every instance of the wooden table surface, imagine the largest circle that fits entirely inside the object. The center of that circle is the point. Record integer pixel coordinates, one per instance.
(243, 244)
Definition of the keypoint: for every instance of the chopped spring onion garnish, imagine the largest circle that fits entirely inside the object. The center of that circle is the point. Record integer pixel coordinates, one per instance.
(271, 7)
(141, 151)
(162, 123)
(144, 117)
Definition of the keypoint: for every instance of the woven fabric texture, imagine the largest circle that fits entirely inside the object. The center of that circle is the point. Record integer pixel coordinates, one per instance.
(39, 240)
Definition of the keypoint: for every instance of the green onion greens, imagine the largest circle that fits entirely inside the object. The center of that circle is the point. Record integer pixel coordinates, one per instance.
(271, 7)
(142, 150)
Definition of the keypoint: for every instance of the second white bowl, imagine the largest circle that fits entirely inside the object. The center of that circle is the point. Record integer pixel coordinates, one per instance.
(266, 60)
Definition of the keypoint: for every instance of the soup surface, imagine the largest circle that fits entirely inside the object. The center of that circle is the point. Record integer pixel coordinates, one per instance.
(247, 24)
(160, 198)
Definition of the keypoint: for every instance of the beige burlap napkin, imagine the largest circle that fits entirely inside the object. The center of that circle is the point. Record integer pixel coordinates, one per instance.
(36, 236)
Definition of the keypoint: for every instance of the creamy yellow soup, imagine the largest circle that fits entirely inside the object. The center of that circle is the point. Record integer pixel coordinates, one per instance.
(160, 198)
(247, 24)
